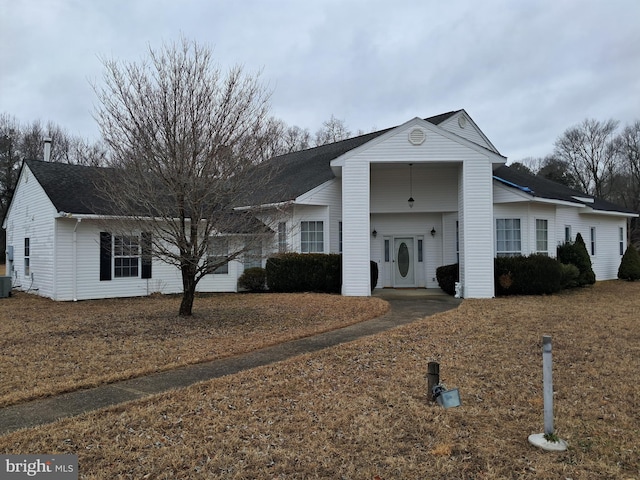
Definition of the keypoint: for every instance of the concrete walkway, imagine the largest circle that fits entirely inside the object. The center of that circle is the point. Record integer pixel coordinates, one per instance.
(406, 307)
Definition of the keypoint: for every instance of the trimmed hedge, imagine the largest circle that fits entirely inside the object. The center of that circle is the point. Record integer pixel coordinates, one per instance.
(309, 272)
(253, 279)
(630, 265)
(447, 276)
(576, 254)
(532, 275)
(304, 272)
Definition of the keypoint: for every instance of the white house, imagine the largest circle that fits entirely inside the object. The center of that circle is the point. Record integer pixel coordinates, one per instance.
(426, 193)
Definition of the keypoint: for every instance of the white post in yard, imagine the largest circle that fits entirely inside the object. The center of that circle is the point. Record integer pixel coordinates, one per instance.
(547, 384)
(547, 440)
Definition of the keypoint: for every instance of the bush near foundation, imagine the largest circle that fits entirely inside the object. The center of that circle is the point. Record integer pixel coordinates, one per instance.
(576, 254)
(447, 276)
(527, 275)
(309, 272)
(253, 279)
(630, 265)
(304, 272)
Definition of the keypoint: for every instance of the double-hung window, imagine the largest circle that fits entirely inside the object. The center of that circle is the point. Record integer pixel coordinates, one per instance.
(592, 235)
(508, 238)
(621, 239)
(312, 237)
(542, 236)
(282, 237)
(126, 256)
(218, 253)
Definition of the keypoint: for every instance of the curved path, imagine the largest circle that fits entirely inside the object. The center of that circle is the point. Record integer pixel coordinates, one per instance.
(406, 307)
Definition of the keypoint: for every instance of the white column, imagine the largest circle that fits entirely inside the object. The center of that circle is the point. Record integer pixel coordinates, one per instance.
(356, 280)
(476, 227)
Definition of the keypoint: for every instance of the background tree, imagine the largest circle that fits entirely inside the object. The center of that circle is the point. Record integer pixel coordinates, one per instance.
(183, 135)
(332, 130)
(590, 152)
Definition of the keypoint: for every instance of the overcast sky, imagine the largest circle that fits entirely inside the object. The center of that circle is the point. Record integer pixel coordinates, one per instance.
(523, 70)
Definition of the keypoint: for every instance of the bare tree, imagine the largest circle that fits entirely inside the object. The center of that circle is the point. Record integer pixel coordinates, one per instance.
(183, 136)
(333, 130)
(629, 190)
(589, 150)
(295, 139)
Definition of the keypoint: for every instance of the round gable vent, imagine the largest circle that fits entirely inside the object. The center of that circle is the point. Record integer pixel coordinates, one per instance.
(417, 136)
(462, 121)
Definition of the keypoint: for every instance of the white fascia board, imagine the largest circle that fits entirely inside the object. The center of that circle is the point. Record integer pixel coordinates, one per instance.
(495, 157)
(592, 211)
(265, 206)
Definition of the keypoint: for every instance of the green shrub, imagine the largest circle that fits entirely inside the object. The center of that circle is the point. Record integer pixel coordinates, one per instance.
(304, 272)
(532, 275)
(576, 254)
(253, 279)
(630, 265)
(569, 275)
(447, 276)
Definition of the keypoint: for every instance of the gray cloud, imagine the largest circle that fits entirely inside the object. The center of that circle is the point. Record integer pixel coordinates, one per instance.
(525, 71)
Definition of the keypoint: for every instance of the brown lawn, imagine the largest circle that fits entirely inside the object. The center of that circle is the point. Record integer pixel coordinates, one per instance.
(359, 410)
(50, 347)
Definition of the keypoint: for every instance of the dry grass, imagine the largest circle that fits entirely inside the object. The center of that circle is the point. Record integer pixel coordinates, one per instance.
(359, 411)
(50, 347)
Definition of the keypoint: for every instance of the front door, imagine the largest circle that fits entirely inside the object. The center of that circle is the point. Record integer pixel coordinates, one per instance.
(403, 262)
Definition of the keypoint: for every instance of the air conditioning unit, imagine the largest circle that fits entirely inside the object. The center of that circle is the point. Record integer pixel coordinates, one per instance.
(5, 287)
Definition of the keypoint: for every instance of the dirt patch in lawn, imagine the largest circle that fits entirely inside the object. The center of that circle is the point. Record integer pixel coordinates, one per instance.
(50, 347)
(360, 410)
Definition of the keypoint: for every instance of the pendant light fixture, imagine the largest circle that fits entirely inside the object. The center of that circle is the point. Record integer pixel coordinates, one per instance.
(411, 200)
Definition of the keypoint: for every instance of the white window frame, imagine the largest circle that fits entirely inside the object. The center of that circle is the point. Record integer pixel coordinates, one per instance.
(592, 240)
(126, 256)
(511, 237)
(542, 236)
(312, 236)
(621, 230)
(27, 256)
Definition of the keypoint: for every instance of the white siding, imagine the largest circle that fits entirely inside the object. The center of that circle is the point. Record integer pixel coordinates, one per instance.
(31, 215)
(437, 147)
(356, 232)
(606, 261)
(470, 131)
(528, 213)
(449, 254)
(328, 195)
(476, 269)
(84, 283)
(434, 187)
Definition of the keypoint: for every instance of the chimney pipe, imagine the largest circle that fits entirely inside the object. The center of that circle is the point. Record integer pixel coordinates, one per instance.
(47, 149)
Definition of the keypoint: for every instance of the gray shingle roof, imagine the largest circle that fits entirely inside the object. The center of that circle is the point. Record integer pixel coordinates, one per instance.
(71, 188)
(542, 188)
